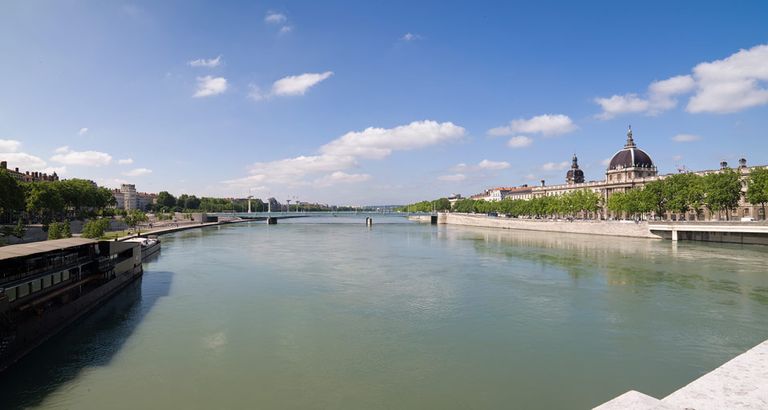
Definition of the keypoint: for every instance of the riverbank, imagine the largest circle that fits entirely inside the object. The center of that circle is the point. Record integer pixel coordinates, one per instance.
(180, 227)
(606, 228)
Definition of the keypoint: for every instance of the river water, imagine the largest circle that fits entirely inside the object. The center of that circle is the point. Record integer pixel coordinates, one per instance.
(331, 315)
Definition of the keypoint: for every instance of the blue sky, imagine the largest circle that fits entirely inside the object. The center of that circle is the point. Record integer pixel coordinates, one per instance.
(375, 102)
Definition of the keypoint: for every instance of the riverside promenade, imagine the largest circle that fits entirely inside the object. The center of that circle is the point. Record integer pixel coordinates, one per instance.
(180, 227)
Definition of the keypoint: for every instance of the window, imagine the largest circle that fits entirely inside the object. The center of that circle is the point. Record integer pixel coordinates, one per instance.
(23, 290)
(11, 294)
(47, 281)
(36, 285)
(57, 277)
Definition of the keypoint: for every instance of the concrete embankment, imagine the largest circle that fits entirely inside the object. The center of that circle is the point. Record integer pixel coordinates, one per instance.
(741, 383)
(610, 228)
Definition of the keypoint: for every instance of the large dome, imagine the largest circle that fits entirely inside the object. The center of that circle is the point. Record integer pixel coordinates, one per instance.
(630, 156)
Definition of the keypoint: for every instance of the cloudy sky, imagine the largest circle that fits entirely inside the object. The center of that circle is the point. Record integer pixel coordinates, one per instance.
(363, 103)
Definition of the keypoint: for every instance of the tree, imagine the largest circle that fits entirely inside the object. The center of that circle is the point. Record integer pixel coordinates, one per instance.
(95, 228)
(43, 200)
(165, 199)
(684, 192)
(723, 191)
(11, 194)
(59, 230)
(757, 189)
(134, 218)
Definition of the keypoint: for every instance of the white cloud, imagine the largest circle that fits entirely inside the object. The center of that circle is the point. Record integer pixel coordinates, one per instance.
(731, 84)
(547, 125)
(338, 177)
(275, 18)
(82, 131)
(495, 165)
(298, 84)
(208, 86)
(9, 146)
(621, 104)
(606, 162)
(410, 37)
(255, 93)
(555, 166)
(209, 63)
(677, 158)
(23, 161)
(126, 161)
(660, 97)
(286, 29)
(288, 86)
(343, 153)
(452, 177)
(138, 172)
(378, 143)
(58, 170)
(66, 156)
(519, 141)
(685, 138)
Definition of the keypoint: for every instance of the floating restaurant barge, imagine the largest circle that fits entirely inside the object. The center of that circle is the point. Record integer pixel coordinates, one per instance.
(45, 286)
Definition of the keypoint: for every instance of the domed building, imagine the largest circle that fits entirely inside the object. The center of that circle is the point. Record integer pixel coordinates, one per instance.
(630, 163)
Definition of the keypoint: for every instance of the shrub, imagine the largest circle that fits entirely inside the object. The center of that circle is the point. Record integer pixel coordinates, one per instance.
(95, 228)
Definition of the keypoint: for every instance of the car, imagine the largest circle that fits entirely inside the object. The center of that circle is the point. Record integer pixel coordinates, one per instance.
(747, 219)
(493, 214)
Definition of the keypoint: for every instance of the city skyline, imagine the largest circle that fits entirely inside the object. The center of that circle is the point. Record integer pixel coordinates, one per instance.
(385, 104)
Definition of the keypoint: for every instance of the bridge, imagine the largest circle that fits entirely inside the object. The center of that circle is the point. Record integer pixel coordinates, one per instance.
(273, 217)
(714, 231)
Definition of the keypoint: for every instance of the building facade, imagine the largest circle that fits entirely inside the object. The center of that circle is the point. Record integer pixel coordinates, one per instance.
(632, 168)
(28, 176)
(128, 198)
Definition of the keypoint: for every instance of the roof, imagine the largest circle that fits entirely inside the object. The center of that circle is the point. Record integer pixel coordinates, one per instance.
(630, 157)
(26, 249)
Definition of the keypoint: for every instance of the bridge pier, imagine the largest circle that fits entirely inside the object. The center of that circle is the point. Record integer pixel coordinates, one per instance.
(674, 235)
(272, 221)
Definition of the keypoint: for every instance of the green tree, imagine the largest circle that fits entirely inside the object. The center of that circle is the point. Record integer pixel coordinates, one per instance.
(757, 189)
(166, 200)
(43, 200)
(723, 191)
(95, 228)
(684, 192)
(59, 230)
(11, 194)
(134, 218)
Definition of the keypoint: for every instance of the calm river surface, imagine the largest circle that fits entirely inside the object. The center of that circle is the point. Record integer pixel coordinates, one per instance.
(403, 316)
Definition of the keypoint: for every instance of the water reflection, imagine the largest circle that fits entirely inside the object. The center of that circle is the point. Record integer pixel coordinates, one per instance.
(91, 342)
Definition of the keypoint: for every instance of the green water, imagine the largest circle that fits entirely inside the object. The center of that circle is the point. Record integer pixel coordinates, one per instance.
(403, 316)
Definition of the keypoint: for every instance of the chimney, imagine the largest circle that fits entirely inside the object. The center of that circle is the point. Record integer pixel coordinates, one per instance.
(542, 182)
(743, 163)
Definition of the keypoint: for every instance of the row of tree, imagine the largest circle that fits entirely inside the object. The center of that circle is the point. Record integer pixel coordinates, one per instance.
(685, 193)
(677, 194)
(48, 201)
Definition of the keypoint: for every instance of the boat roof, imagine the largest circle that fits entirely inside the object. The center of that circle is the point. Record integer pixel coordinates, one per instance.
(27, 249)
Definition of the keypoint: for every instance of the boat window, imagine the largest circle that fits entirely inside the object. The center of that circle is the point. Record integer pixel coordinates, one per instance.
(57, 277)
(11, 294)
(47, 281)
(23, 290)
(36, 285)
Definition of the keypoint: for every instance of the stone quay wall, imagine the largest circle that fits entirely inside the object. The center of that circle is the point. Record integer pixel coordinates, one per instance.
(608, 228)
